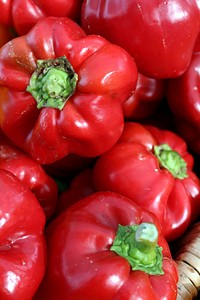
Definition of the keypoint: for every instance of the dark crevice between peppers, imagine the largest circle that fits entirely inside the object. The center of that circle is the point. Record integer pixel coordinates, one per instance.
(53, 82)
(171, 160)
(138, 245)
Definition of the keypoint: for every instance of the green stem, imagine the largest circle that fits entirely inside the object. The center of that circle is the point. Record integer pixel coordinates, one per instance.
(171, 160)
(53, 82)
(138, 245)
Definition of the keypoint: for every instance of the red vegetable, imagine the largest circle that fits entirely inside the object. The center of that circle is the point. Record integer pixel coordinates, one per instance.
(32, 175)
(5, 34)
(86, 259)
(62, 91)
(153, 168)
(22, 244)
(24, 14)
(145, 100)
(184, 101)
(68, 166)
(80, 186)
(160, 35)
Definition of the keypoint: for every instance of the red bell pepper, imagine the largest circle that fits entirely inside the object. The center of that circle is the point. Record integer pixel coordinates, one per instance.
(107, 247)
(152, 167)
(22, 243)
(68, 166)
(24, 14)
(80, 186)
(62, 91)
(5, 34)
(160, 35)
(184, 101)
(32, 175)
(145, 100)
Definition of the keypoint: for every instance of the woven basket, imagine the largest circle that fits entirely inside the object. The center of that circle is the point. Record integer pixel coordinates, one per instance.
(187, 257)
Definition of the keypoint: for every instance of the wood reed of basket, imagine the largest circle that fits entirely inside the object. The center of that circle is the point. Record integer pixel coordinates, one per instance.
(187, 258)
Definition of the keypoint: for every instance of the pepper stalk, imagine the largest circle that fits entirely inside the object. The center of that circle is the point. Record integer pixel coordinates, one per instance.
(138, 244)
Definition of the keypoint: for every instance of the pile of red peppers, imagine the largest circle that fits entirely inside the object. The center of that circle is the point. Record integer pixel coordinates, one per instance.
(99, 146)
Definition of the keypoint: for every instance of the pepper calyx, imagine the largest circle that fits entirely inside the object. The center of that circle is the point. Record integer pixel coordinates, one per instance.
(138, 245)
(53, 82)
(171, 160)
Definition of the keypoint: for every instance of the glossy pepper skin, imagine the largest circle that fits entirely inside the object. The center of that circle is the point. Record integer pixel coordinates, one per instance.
(22, 243)
(24, 14)
(159, 179)
(184, 100)
(94, 271)
(149, 92)
(32, 175)
(160, 35)
(62, 91)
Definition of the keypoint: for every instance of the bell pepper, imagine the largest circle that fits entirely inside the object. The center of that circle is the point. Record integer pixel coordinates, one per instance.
(107, 247)
(22, 243)
(184, 100)
(68, 166)
(80, 186)
(160, 35)
(32, 175)
(153, 167)
(149, 93)
(5, 34)
(62, 91)
(24, 14)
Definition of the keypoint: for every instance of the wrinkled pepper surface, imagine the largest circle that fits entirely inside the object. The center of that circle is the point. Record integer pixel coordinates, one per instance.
(62, 91)
(107, 247)
(153, 167)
